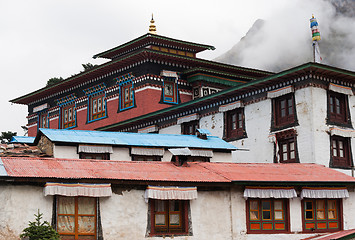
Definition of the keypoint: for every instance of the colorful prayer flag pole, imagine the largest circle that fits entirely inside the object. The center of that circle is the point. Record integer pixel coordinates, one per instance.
(315, 37)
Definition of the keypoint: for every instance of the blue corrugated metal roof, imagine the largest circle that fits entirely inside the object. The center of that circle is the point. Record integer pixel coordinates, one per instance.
(22, 139)
(133, 139)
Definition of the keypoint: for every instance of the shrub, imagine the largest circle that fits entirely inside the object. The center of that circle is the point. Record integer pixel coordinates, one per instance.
(38, 230)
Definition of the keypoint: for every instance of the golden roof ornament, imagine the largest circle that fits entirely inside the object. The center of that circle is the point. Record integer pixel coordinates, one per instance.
(152, 28)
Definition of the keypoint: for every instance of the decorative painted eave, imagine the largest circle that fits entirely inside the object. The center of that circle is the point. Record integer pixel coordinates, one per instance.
(125, 62)
(149, 39)
(239, 92)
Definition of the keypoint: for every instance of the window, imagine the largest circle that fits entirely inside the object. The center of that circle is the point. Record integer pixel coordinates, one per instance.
(76, 217)
(286, 148)
(338, 108)
(68, 116)
(98, 156)
(145, 158)
(169, 217)
(340, 152)
(127, 97)
(284, 110)
(321, 215)
(97, 107)
(170, 91)
(235, 123)
(267, 215)
(189, 128)
(43, 120)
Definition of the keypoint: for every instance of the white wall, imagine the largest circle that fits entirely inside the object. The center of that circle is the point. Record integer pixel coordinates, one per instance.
(220, 214)
(120, 154)
(214, 123)
(65, 152)
(18, 204)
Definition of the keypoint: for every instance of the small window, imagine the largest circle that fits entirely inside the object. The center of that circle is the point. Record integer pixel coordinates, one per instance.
(284, 110)
(170, 93)
(340, 152)
(68, 119)
(97, 107)
(127, 96)
(189, 128)
(169, 217)
(76, 217)
(43, 120)
(286, 149)
(98, 156)
(235, 123)
(338, 112)
(321, 215)
(267, 215)
(145, 158)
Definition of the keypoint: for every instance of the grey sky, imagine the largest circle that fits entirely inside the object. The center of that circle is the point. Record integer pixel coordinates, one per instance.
(40, 39)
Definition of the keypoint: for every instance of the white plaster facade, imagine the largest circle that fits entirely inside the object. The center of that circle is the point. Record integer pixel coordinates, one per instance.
(313, 138)
(124, 215)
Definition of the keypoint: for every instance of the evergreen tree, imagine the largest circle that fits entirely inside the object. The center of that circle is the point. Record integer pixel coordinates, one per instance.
(38, 230)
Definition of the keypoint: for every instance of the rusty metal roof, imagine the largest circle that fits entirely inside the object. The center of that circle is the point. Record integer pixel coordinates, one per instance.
(165, 171)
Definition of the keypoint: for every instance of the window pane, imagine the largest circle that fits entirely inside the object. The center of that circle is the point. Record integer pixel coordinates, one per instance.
(266, 215)
(331, 214)
(331, 204)
(86, 237)
(284, 147)
(86, 205)
(278, 215)
(66, 224)
(174, 206)
(278, 205)
(66, 205)
(174, 219)
(309, 205)
(159, 219)
(309, 215)
(266, 205)
(86, 224)
(94, 106)
(65, 115)
(99, 105)
(254, 215)
(234, 120)
(292, 146)
(159, 206)
(284, 156)
(292, 155)
(254, 205)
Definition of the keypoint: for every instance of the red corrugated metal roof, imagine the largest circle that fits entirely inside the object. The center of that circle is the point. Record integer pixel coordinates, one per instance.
(345, 234)
(166, 171)
(278, 172)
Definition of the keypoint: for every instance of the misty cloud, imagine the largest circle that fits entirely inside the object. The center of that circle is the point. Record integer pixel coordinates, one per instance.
(284, 40)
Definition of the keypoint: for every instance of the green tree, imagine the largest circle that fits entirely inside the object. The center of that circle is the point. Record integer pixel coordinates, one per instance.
(53, 81)
(38, 230)
(5, 137)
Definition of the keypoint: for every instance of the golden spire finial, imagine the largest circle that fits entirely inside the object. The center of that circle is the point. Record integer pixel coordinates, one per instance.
(152, 28)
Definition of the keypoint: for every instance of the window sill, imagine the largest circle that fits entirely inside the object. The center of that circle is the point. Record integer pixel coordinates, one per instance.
(234, 138)
(169, 235)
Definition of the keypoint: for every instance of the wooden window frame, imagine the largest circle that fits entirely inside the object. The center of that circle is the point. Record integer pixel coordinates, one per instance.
(288, 142)
(168, 229)
(189, 128)
(284, 110)
(337, 149)
(97, 112)
(43, 118)
(68, 120)
(326, 224)
(126, 103)
(235, 124)
(267, 223)
(338, 110)
(172, 95)
(76, 215)
(104, 156)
